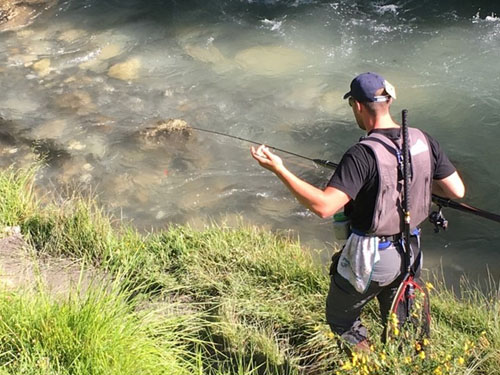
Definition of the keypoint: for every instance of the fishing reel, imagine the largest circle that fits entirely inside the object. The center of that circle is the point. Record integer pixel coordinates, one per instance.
(437, 218)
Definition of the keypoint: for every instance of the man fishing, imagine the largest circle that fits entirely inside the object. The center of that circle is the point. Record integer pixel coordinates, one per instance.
(368, 184)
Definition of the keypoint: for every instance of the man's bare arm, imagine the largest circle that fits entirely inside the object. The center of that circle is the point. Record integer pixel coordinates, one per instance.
(450, 187)
(323, 203)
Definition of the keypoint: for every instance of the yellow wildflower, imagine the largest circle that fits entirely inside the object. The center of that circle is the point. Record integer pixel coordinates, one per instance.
(394, 319)
(331, 335)
(354, 359)
(426, 342)
(347, 366)
(421, 355)
(407, 360)
(438, 370)
(418, 347)
(429, 286)
(461, 360)
(396, 331)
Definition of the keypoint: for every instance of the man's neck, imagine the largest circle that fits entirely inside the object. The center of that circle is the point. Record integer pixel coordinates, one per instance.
(381, 122)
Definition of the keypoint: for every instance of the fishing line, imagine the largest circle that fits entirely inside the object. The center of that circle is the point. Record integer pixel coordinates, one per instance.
(440, 201)
(322, 162)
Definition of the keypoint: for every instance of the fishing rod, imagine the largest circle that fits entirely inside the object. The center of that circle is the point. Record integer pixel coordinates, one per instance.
(406, 188)
(411, 301)
(445, 202)
(440, 201)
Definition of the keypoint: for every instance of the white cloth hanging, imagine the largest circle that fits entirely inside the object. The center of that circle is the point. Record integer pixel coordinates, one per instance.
(356, 262)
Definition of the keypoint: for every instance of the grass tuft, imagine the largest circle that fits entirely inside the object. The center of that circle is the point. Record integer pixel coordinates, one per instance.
(101, 332)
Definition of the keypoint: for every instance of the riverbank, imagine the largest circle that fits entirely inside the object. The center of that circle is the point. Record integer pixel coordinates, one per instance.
(218, 301)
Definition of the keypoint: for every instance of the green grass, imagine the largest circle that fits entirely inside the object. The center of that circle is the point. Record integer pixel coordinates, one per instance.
(239, 301)
(99, 333)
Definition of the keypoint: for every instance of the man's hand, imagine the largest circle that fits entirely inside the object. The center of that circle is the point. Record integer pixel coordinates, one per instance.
(266, 158)
(323, 203)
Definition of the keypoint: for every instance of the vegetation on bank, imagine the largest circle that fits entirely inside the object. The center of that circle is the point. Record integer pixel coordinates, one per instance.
(219, 301)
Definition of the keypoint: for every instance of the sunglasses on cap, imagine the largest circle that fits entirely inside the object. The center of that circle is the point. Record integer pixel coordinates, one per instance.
(378, 99)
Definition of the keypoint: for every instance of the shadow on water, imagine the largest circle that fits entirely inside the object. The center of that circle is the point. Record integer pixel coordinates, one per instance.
(424, 10)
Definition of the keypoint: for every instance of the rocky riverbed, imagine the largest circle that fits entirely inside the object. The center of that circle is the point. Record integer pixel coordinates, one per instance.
(15, 14)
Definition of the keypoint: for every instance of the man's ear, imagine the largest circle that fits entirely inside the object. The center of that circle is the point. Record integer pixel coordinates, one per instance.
(359, 106)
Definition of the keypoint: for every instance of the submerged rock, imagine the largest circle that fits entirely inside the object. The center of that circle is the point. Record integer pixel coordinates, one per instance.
(98, 60)
(146, 179)
(20, 102)
(75, 170)
(211, 55)
(164, 130)
(331, 102)
(304, 95)
(270, 60)
(126, 71)
(51, 129)
(50, 151)
(111, 50)
(15, 14)
(42, 67)
(14, 140)
(76, 145)
(78, 101)
(71, 35)
(208, 54)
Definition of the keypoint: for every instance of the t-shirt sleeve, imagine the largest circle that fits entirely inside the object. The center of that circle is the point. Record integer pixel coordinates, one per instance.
(442, 165)
(352, 171)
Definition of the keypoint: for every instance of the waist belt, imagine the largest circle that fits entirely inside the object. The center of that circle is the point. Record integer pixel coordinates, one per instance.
(386, 241)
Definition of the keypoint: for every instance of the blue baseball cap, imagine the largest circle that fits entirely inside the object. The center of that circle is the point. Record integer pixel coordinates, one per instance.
(364, 87)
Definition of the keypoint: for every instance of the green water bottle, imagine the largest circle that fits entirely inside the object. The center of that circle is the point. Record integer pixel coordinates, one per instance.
(341, 226)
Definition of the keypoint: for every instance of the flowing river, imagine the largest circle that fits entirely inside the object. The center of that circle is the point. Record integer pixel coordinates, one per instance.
(86, 77)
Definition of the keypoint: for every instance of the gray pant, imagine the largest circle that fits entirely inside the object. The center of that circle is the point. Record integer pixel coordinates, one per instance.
(344, 303)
